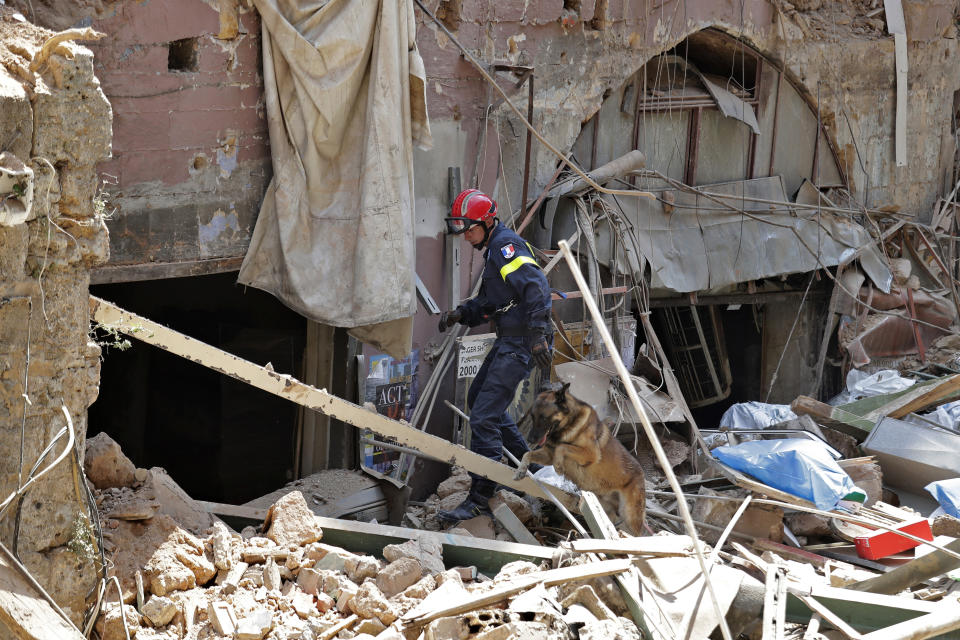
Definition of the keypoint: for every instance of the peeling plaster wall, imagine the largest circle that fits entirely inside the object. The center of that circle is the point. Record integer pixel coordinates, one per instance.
(191, 153)
(45, 351)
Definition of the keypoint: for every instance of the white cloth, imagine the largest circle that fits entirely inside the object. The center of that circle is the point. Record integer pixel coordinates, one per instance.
(334, 240)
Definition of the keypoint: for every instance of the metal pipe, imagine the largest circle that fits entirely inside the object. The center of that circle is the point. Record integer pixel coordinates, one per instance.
(601, 327)
(526, 156)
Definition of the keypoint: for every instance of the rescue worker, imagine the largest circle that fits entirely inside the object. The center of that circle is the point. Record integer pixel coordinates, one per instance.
(515, 296)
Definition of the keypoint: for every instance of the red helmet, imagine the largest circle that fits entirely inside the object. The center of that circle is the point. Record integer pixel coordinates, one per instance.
(471, 207)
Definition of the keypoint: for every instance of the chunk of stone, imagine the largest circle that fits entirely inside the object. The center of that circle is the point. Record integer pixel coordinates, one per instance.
(106, 465)
(586, 597)
(222, 618)
(291, 523)
(371, 626)
(370, 602)
(429, 553)
(309, 581)
(452, 501)
(302, 604)
(271, 576)
(223, 548)
(452, 485)
(176, 562)
(450, 628)
(159, 610)
(347, 592)
(255, 625)
(520, 507)
(618, 629)
(110, 626)
(325, 603)
(398, 575)
(359, 568)
(516, 631)
(420, 589)
(480, 527)
(230, 580)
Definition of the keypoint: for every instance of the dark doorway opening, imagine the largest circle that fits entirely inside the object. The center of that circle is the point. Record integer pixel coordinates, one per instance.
(221, 439)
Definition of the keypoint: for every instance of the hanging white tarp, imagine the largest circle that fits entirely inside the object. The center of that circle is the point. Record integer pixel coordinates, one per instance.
(344, 87)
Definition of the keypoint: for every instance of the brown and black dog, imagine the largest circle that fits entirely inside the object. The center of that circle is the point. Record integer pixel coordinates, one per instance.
(570, 436)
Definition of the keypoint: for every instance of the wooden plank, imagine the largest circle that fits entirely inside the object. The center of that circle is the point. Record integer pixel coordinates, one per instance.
(653, 546)
(286, 386)
(833, 417)
(163, 270)
(790, 553)
(918, 397)
(24, 612)
(512, 524)
(364, 537)
(419, 616)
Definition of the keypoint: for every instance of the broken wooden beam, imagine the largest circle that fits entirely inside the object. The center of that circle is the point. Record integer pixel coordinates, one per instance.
(833, 417)
(917, 398)
(285, 386)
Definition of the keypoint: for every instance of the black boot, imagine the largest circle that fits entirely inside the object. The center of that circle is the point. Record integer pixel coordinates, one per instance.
(475, 504)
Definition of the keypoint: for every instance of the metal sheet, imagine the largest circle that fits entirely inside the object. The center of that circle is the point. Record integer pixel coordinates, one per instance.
(700, 245)
(911, 456)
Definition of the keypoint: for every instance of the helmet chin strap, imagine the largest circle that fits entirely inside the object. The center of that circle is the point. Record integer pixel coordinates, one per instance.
(486, 236)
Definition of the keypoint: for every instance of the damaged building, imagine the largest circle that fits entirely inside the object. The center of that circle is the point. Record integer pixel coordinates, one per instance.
(227, 408)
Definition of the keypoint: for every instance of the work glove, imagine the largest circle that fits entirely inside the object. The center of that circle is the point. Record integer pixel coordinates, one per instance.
(542, 353)
(448, 319)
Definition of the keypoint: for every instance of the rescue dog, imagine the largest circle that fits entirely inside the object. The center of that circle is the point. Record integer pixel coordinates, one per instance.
(569, 435)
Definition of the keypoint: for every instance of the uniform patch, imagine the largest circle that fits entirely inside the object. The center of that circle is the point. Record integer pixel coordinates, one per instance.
(508, 251)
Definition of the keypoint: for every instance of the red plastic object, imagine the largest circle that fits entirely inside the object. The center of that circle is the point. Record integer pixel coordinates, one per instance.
(881, 544)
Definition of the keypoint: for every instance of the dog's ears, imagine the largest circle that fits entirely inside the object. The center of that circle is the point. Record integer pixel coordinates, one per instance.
(562, 393)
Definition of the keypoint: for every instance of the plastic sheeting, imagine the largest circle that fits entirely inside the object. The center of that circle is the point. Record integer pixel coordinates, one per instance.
(946, 415)
(866, 385)
(802, 468)
(345, 94)
(947, 493)
(755, 415)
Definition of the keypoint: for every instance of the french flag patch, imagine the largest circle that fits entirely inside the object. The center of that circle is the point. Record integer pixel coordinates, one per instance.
(508, 251)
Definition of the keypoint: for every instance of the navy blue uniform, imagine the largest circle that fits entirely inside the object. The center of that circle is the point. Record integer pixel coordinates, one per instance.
(514, 294)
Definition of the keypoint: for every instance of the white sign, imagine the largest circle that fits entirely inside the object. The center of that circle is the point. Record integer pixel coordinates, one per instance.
(473, 349)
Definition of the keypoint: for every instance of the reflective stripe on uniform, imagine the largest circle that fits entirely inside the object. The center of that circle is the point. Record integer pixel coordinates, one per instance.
(515, 264)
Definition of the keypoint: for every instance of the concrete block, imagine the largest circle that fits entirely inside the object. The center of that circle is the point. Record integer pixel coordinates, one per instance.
(309, 581)
(370, 602)
(292, 523)
(453, 484)
(254, 626)
(429, 553)
(222, 618)
(302, 604)
(398, 575)
(271, 575)
(159, 610)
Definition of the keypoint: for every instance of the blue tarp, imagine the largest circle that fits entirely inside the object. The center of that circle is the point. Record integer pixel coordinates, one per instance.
(947, 493)
(802, 468)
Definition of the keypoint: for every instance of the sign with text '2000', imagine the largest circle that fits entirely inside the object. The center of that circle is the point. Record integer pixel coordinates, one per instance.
(473, 349)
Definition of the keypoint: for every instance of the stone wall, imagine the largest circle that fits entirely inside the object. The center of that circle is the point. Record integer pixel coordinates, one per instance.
(190, 150)
(58, 122)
